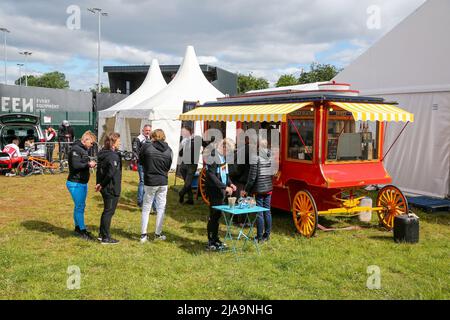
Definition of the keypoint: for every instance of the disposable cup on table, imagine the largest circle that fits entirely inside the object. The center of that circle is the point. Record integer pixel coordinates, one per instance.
(232, 202)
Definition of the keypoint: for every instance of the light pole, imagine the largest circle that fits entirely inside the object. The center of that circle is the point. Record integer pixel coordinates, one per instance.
(26, 54)
(100, 13)
(20, 65)
(5, 31)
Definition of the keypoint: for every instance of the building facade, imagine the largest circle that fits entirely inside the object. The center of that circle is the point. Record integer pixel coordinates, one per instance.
(127, 79)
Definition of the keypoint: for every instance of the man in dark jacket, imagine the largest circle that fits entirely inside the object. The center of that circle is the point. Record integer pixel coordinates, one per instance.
(218, 186)
(65, 137)
(137, 144)
(109, 181)
(156, 159)
(77, 181)
(189, 155)
(259, 184)
(240, 169)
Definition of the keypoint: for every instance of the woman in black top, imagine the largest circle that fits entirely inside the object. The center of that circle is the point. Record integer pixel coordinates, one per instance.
(109, 180)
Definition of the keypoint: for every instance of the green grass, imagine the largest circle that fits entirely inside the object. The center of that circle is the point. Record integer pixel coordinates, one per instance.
(37, 246)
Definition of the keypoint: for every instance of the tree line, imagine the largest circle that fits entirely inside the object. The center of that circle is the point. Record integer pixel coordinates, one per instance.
(317, 73)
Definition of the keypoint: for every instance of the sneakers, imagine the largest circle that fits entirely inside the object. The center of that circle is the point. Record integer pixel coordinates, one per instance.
(262, 240)
(107, 241)
(160, 237)
(216, 245)
(85, 235)
(144, 238)
(189, 202)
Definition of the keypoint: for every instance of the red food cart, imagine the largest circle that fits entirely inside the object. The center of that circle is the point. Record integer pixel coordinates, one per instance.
(331, 148)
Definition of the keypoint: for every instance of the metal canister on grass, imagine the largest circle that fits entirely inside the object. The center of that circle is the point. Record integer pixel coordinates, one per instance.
(406, 229)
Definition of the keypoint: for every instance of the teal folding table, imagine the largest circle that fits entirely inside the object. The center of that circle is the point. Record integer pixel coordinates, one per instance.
(229, 214)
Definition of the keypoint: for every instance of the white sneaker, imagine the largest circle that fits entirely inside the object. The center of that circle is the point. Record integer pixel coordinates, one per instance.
(144, 238)
(160, 237)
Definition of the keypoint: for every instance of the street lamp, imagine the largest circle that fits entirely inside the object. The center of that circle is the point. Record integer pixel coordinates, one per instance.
(20, 65)
(26, 54)
(5, 31)
(100, 14)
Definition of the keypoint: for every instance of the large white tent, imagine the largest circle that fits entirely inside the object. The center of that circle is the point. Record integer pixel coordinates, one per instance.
(108, 119)
(411, 65)
(163, 109)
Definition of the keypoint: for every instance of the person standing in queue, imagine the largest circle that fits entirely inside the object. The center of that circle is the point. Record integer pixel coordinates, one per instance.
(77, 181)
(137, 144)
(66, 136)
(218, 186)
(50, 137)
(189, 155)
(260, 184)
(156, 159)
(109, 181)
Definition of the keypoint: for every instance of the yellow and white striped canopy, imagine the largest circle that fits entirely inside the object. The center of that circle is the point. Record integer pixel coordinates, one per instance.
(376, 112)
(249, 113)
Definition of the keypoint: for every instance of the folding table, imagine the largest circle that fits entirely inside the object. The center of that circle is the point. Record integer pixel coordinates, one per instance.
(229, 214)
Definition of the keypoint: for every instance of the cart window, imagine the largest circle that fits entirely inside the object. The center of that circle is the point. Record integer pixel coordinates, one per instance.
(350, 140)
(301, 139)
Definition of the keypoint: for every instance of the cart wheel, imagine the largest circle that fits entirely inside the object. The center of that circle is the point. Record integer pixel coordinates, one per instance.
(395, 204)
(201, 186)
(25, 168)
(305, 214)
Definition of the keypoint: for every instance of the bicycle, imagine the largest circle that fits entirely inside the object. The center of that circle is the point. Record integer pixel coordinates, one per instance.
(64, 148)
(36, 165)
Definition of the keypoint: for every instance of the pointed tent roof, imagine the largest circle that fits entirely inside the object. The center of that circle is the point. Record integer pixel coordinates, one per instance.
(413, 57)
(189, 84)
(154, 82)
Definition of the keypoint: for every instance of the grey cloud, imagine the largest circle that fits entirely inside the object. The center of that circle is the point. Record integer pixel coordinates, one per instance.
(251, 35)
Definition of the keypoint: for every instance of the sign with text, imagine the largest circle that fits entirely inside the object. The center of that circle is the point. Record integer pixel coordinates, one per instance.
(20, 99)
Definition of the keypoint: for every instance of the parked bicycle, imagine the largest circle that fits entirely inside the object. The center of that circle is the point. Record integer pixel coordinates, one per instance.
(36, 165)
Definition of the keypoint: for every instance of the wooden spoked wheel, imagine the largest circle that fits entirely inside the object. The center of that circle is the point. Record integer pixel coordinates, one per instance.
(202, 187)
(394, 203)
(304, 213)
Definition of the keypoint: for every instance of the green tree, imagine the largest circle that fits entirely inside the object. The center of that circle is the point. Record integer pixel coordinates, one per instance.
(287, 80)
(31, 81)
(103, 90)
(318, 73)
(56, 80)
(249, 82)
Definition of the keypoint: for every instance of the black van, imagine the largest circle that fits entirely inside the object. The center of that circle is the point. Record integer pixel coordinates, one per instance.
(25, 127)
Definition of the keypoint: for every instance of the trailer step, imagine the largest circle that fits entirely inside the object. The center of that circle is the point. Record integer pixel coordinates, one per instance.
(429, 204)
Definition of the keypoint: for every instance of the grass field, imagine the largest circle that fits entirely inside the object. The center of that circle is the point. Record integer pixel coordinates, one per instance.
(37, 246)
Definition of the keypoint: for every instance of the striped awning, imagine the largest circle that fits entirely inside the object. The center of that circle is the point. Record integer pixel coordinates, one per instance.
(376, 112)
(249, 113)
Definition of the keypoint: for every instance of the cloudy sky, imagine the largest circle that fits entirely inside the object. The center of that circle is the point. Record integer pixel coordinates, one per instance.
(265, 37)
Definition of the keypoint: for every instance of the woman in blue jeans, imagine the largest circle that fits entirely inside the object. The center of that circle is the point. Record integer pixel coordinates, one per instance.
(77, 181)
(259, 183)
